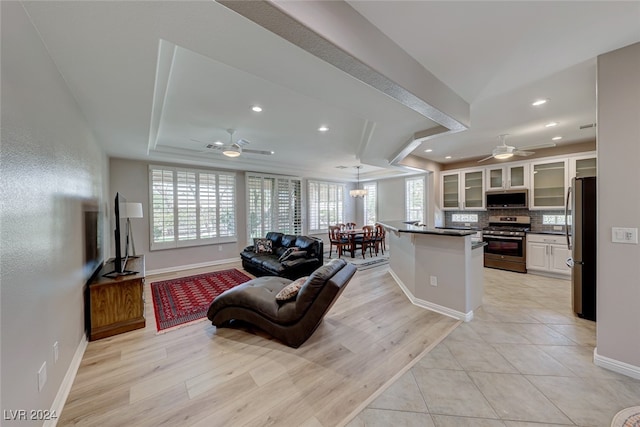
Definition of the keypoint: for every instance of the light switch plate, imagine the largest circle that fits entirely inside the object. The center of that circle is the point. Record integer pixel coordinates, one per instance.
(624, 235)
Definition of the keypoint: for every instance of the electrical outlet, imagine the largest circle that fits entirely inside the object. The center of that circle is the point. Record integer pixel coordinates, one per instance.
(219, 248)
(433, 280)
(42, 376)
(56, 352)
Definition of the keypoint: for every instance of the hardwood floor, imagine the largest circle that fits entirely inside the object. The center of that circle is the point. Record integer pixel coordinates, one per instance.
(201, 376)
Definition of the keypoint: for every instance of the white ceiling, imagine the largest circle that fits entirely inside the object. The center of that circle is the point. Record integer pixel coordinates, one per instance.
(151, 77)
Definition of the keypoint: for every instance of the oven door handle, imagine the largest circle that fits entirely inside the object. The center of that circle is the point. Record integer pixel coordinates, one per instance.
(503, 238)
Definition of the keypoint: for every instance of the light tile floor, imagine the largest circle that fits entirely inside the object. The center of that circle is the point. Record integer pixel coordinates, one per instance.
(525, 360)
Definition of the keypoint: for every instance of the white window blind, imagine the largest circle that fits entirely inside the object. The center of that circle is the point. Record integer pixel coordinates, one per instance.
(274, 203)
(191, 207)
(326, 205)
(414, 199)
(370, 203)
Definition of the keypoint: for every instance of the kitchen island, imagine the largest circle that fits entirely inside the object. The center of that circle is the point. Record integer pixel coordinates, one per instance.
(439, 269)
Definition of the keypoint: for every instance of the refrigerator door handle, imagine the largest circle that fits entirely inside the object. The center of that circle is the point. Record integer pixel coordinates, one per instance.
(566, 217)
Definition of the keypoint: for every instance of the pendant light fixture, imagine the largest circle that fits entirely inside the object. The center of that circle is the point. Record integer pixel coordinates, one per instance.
(358, 192)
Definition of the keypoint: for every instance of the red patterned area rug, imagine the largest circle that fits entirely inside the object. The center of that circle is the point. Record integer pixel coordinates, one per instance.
(178, 302)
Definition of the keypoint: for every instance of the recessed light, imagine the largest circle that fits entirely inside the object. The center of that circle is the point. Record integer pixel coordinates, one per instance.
(447, 157)
(556, 138)
(218, 143)
(539, 102)
(257, 108)
(323, 129)
(428, 150)
(550, 125)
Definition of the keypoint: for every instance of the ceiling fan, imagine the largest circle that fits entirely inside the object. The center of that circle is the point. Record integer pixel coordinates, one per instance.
(234, 149)
(503, 151)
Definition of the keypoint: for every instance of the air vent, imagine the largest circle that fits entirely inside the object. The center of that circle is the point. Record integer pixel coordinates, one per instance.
(342, 167)
(209, 146)
(590, 125)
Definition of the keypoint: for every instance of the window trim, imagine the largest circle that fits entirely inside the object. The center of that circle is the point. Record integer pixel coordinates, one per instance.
(176, 243)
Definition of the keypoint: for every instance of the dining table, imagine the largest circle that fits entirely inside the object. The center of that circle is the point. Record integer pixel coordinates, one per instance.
(351, 237)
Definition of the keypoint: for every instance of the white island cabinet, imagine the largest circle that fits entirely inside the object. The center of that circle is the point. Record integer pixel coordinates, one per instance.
(438, 269)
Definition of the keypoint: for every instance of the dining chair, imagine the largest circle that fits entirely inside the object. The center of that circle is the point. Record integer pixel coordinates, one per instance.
(380, 238)
(351, 226)
(367, 241)
(337, 239)
(342, 226)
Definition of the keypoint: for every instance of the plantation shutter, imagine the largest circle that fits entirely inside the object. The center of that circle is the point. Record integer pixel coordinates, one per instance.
(370, 203)
(414, 199)
(191, 207)
(208, 206)
(227, 205)
(326, 205)
(162, 202)
(274, 203)
(187, 216)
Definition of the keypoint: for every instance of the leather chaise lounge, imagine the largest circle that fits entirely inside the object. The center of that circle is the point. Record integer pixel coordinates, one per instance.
(292, 321)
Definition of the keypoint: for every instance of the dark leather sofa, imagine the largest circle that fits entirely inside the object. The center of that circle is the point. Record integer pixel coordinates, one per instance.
(292, 321)
(309, 257)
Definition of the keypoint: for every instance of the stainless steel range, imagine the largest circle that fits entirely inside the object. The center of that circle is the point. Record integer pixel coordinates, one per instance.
(506, 242)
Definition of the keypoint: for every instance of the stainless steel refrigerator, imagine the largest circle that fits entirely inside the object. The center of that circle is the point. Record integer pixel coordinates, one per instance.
(581, 205)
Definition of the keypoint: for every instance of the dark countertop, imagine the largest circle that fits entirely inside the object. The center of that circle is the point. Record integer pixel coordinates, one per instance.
(480, 244)
(461, 227)
(404, 227)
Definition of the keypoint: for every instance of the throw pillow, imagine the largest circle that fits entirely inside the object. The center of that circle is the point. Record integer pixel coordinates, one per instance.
(291, 290)
(262, 246)
(287, 254)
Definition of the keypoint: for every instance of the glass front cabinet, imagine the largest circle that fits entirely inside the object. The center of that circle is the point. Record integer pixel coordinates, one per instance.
(463, 190)
(507, 177)
(582, 166)
(549, 184)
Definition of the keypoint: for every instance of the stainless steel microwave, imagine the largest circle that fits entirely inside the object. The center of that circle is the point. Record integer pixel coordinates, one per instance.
(507, 199)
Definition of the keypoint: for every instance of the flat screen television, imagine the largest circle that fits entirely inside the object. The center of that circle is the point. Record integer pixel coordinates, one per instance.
(121, 238)
(92, 238)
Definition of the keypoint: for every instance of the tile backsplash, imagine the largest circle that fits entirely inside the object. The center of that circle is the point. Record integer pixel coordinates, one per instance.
(483, 217)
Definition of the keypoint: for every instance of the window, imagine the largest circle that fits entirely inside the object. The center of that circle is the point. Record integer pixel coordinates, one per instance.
(554, 219)
(191, 207)
(273, 204)
(415, 199)
(326, 205)
(464, 217)
(370, 203)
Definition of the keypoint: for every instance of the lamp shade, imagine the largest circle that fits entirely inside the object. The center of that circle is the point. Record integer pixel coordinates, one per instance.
(134, 210)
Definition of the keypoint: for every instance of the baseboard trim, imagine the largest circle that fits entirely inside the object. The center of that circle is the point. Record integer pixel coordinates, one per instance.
(67, 383)
(191, 266)
(458, 315)
(616, 365)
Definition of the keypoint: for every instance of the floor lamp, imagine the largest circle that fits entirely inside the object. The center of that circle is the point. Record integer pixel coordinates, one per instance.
(134, 210)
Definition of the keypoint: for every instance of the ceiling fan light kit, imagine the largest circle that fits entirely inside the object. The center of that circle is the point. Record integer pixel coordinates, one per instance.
(232, 151)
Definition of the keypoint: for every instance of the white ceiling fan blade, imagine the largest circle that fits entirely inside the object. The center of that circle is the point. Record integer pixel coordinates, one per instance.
(266, 153)
(485, 159)
(538, 146)
(242, 142)
(523, 153)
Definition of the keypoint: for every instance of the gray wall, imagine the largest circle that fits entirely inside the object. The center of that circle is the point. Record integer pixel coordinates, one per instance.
(618, 266)
(51, 163)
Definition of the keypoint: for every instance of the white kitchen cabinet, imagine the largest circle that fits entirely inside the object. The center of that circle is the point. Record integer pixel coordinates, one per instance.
(583, 165)
(505, 177)
(548, 184)
(463, 190)
(547, 254)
